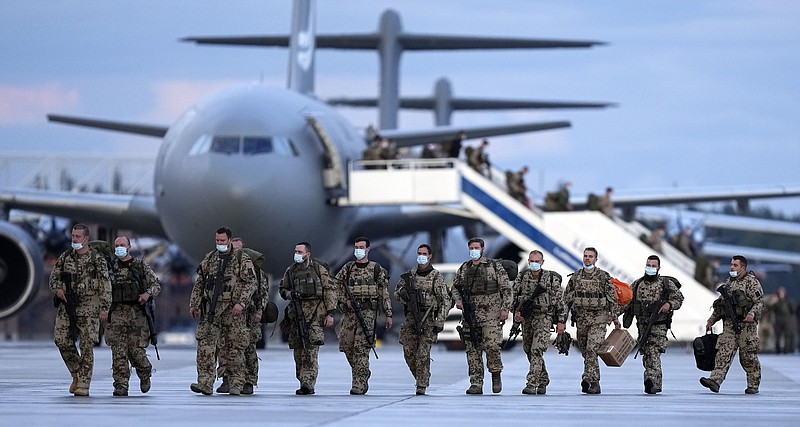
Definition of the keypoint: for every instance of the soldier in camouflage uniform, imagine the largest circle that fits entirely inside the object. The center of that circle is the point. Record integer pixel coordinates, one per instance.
(653, 292)
(127, 332)
(87, 272)
(368, 283)
(748, 305)
(486, 283)
(591, 294)
(426, 285)
(538, 294)
(254, 313)
(223, 323)
(308, 282)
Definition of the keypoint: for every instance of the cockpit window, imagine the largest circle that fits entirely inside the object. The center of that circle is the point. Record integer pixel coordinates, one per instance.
(256, 145)
(225, 144)
(284, 146)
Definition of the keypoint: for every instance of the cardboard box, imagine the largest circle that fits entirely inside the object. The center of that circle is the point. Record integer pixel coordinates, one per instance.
(616, 348)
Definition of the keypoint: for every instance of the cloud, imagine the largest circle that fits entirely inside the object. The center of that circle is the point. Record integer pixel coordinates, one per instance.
(28, 105)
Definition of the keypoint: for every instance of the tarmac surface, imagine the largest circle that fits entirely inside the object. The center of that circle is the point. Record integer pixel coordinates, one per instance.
(34, 383)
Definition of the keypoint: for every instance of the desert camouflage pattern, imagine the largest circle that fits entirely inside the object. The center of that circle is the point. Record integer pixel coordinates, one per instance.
(90, 281)
(747, 341)
(227, 335)
(433, 310)
(487, 311)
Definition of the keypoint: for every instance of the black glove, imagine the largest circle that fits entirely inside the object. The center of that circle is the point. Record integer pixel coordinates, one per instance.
(438, 328)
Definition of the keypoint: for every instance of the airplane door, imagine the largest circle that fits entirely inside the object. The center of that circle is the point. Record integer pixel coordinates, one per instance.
(333, 169)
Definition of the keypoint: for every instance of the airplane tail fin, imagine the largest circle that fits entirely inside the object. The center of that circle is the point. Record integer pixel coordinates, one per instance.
(301, 47)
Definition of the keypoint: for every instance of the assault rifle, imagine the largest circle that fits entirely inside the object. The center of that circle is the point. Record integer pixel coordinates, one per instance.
(71, 304)
(525, 310)
(654, 309)
(469, 315)
(356, 306)
(413, 301)
(150, 314)
(728, 302)
(219, 285)
(299, 316)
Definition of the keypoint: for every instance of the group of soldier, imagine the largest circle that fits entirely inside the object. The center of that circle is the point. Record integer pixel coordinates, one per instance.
(230, 295)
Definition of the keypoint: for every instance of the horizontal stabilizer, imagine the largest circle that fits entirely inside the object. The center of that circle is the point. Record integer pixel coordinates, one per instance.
(699, 195)
(134, 128)
(406, 138)
(407, 41)
(429, 103)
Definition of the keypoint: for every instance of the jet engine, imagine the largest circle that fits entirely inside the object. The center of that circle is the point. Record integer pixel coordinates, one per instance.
(20, 268)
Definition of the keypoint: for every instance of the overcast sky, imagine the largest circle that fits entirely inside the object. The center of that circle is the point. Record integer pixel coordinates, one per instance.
(708, 91)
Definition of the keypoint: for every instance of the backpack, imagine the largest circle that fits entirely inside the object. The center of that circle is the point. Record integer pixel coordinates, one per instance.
(623, 292)
(104, 249)
(705, 351)
(468, 151)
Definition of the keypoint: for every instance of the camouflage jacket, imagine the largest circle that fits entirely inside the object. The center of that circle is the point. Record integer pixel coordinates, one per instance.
(365, 272)
(749, 294)
(487, 306)
(433, 290)
(89, 276)
(239, 280)
(550, 301)
(591, 290)
(647, 292)
(329, 295)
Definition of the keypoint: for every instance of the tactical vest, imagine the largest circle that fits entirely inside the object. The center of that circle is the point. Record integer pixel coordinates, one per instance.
(83, 282)
(307, 282)
(211, 275)
(479, 280)
(364, 286)
(129, 286)
(541, 304)
(590, 293)
(741, 303)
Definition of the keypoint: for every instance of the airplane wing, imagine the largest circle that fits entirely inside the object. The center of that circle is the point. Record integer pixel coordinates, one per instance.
(128, 212)
(406, 138)
(656, 198)
(135, 128)
(429, 103)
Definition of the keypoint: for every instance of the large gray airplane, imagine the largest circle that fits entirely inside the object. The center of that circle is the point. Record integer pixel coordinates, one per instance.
(267, 162)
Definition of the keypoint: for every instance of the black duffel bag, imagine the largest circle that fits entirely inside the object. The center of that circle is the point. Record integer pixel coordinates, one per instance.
(705, 351)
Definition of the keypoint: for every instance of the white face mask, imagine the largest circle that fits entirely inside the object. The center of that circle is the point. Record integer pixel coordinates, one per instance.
(298, 258)
(360, 253)
(535, 266)
(734, 274)
(77, 246)
(422, 259)
(120, 251)
(650, 271)
(475, 254)
(588, 267)
(222, 248)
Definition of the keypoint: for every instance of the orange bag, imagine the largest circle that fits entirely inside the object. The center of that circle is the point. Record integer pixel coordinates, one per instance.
(623, 291)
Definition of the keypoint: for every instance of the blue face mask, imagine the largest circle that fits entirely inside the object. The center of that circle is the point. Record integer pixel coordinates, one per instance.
(77, 246)
(734, 274)
(360, 253)
(588, 267)
(298, 258)
(650, 271)
(120, 251)
(222, 248)
(422, 259)
(535, 266)
(475, 254)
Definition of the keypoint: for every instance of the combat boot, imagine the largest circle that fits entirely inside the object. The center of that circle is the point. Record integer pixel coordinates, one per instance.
(200, 388)
(81, 390)
(247, 388)
(120, 391)
(74, 385)
(225, 387)
(497, 383)
(751, 390)
(541, 389)
(144, 384)
(594, 388)
(421, 391)
(475, 389)
(710, 384)
(529, 390)
(235, 390)
(648, 386)
(584, 386)
(355, 391)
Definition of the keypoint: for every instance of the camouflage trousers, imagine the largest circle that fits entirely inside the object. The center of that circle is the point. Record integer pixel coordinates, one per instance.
(591, 332)
(651, 351)
(492, 340)
(417, 349)
(306, 365)
(80, 363)
(535, 339)
(227, 336)
(128, 336)
(353, 343)
(747, 344)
